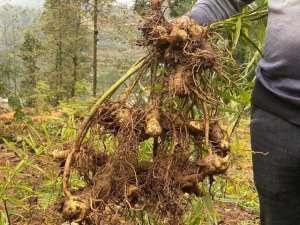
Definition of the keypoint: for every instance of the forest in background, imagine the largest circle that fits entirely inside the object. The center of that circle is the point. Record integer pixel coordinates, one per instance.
(50, 51)
(56, 60)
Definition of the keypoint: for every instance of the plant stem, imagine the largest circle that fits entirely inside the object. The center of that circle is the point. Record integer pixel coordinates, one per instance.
(6, 212)
(89, 119)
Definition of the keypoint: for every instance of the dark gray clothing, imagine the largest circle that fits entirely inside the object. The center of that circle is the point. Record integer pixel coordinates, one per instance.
(277, 87)
(276, 165)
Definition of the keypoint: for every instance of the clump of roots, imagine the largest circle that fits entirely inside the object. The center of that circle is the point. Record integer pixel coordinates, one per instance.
(118, 183)
(178, 123)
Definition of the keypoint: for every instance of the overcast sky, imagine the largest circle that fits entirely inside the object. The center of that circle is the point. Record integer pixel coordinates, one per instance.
(28, 3)
(39, 3)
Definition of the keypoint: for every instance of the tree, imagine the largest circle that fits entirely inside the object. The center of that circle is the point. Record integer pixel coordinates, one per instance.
(30, 52)
(95, 15)
(95, 42)
(66, 41)
(13, 21)
(7, 71)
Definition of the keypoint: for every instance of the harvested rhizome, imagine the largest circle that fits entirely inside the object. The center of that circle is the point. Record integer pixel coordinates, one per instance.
(177, 118)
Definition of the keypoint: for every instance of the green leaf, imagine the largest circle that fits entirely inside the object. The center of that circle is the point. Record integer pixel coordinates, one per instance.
(19, 114)
(21, 166)
(14, 102)
(23, 187)
(157, 88)
(238, 29)
(16, 202)
(251, 43)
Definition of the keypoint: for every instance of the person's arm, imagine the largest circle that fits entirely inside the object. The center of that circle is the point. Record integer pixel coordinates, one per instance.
(206, 12)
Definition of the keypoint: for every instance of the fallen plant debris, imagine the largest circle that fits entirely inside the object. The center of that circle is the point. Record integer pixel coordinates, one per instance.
(180, 118)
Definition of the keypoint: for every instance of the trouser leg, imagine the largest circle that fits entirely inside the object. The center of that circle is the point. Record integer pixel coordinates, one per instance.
(276, 165)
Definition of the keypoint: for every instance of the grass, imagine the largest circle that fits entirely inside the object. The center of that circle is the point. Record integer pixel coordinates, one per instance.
(237, 192)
